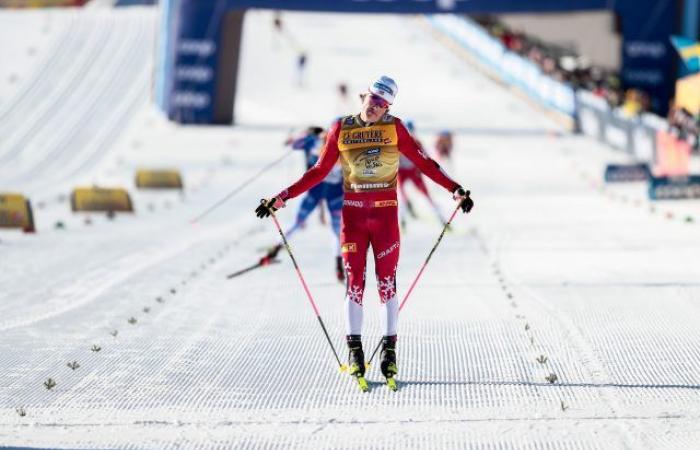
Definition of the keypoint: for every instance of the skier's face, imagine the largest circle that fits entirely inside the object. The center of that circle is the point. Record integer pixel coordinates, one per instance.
(373, 107)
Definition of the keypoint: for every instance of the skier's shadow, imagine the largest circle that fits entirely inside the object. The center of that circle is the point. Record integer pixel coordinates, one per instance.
(542, 384)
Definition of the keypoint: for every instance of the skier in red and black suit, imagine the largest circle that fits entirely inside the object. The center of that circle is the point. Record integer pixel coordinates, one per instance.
(369, 145)
(408, 172)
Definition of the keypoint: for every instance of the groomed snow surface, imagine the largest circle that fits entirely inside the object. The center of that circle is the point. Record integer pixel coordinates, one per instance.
(553, 277)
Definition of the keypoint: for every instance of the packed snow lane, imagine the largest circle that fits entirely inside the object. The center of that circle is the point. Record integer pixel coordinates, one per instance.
(551, 317)
(60, 125)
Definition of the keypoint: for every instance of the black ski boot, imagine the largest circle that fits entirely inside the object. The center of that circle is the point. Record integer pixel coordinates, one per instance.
(388, 356)
(356, 357)
(339, 269)
(356, 361)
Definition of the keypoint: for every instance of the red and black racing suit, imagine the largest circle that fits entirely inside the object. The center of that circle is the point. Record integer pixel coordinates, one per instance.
(369, 155)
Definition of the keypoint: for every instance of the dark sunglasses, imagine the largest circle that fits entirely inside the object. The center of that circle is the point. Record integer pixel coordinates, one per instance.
(376, 100)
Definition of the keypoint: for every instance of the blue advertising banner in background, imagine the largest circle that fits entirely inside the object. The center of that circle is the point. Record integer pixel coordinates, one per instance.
(647, 54)
(423, 6)
(188, 84)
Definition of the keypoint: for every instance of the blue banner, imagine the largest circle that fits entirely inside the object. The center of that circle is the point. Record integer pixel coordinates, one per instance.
(620, 173)
(190, 62)
(647, 55)
(191, 39)
(423, 6)
(669, 188)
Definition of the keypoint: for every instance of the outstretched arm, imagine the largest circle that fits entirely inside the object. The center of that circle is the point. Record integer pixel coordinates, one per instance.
(409, 148)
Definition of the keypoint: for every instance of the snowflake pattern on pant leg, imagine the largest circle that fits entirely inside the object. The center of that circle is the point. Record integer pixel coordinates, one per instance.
(355, 294)
(387, 288)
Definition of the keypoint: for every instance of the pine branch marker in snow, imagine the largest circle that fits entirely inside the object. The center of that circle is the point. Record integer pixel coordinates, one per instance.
(420, 272)
(342, 366)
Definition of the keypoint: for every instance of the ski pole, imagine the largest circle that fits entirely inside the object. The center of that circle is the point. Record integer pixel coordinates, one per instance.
(264, 261)
(306, 289)
(420, 272)
(240, 187)
(270, 258)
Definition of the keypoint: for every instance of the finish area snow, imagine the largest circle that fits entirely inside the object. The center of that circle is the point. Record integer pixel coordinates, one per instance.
(559, 314)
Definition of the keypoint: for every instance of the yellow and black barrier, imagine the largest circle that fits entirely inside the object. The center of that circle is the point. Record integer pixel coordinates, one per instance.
(16, 212)
(158, 179)
(101, 199)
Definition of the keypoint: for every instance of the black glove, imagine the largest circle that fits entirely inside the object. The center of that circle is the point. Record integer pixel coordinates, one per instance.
(465, 201)
(267, 207)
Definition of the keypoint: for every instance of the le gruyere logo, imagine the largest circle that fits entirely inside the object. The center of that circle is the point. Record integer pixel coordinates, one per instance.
(365, 137)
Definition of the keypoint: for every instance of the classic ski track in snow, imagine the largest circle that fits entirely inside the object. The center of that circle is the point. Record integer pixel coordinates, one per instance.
(546, 277)
(95, 282)
(80, 100)
(594, 371)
